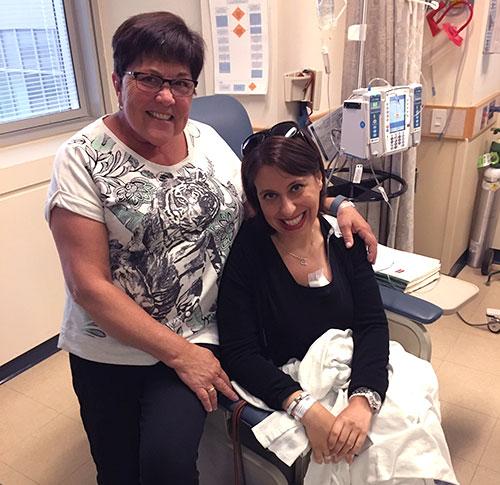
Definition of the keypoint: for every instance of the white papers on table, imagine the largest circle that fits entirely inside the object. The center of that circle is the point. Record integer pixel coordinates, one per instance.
(403, 270)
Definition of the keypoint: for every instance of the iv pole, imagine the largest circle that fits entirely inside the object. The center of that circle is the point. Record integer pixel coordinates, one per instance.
(362, 43)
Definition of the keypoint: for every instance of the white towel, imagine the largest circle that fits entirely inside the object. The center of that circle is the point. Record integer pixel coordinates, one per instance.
(406, 441)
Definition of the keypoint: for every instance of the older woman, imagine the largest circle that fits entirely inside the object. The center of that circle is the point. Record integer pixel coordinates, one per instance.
(143, 206)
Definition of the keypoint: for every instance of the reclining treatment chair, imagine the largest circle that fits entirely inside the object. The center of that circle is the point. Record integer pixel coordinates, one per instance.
(407, 317)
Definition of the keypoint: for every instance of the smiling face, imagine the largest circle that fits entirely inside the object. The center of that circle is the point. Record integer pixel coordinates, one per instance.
(289, 203)
(153, 119)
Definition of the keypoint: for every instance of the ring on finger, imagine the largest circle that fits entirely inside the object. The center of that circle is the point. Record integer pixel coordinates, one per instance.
(211, 389)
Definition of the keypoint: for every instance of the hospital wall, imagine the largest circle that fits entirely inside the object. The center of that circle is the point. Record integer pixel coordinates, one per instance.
(447, 178)
(294, 45)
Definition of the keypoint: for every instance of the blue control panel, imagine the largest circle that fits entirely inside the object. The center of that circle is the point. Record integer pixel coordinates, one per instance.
(417, 107)
(375, 111)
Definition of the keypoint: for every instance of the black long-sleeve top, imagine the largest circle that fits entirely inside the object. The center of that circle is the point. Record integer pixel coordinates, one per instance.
(266, 318)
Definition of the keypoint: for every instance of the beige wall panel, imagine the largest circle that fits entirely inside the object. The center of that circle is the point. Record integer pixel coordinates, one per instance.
(480, 73)
(294, 44)
(462, 197)
(31, 287)
(445, 197)
(435, 169)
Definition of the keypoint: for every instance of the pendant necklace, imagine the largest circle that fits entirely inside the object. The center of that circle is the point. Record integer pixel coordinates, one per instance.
(302, 261)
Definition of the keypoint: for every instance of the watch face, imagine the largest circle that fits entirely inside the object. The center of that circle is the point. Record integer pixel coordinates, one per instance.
(373, 398)
(376, 403)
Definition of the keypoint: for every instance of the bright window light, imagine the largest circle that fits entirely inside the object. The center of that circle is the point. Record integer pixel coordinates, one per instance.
(37, 76)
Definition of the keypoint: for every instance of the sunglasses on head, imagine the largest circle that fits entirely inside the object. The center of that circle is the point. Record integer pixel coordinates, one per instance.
(288, 129)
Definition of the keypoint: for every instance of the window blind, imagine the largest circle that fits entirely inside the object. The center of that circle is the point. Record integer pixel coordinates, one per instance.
(36, 69)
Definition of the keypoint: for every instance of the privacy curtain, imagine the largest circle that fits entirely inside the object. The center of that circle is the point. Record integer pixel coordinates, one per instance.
(393, 51)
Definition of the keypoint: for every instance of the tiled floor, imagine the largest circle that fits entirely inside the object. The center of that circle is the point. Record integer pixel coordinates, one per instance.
(42, 440)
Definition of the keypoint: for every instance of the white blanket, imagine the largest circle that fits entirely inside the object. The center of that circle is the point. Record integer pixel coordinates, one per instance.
(406, 443)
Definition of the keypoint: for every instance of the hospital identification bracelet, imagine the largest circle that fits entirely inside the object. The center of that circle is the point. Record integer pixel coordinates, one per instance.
(300, 405)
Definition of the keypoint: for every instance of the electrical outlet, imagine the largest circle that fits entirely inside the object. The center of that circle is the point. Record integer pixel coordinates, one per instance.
(438, 120)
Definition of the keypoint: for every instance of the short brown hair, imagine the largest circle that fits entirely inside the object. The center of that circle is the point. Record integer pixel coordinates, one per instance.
(294, 155)
(161, 35)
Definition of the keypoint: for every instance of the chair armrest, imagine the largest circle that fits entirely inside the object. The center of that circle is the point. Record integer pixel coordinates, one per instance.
(250, 414)
(409, 306)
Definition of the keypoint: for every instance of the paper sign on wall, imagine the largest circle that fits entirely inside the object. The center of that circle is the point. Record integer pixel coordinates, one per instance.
(240, 40)
(492, 35)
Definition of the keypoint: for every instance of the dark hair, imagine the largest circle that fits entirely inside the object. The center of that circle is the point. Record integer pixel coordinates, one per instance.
(161, 35)
(294, 156)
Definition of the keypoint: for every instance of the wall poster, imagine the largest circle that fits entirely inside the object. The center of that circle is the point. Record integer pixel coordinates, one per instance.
(240, 40)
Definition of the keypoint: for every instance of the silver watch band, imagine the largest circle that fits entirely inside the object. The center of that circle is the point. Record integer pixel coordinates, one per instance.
(373, 398)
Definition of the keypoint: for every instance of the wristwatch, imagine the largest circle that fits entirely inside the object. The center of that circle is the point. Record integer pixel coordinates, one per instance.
(338, 202)
(373, 398)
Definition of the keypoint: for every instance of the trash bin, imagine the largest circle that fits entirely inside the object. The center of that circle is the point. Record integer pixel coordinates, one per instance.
(485, 218)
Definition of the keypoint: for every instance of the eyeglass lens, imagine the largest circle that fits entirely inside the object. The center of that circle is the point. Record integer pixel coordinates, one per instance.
(152, 83)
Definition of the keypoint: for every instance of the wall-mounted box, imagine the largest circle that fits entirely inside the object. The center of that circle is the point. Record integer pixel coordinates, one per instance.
(303, 86)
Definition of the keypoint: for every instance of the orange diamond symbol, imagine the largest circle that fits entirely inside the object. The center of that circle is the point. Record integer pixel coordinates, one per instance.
(238, 14)
(252, 86)
(239, 30)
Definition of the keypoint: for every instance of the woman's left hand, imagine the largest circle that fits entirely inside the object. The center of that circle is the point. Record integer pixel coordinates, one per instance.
(352, 222)
(349, 431)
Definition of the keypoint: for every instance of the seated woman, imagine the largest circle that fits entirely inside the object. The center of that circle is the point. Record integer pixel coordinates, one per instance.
(287, 281)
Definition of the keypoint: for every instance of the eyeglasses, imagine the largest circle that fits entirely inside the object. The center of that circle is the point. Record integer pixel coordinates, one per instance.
(288, 129)
(151, 83)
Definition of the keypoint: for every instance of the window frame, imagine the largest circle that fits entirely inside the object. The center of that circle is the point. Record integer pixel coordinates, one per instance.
(84, 41)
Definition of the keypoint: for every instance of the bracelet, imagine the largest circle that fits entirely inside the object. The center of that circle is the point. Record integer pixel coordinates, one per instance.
(303, 406)
(339, 202)
(373, 398)
(296, 401)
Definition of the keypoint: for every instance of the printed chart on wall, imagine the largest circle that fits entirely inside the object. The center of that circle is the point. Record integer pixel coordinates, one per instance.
(240, 40)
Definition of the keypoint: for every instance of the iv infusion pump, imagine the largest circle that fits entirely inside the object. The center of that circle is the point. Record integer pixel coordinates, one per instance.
(381, 121)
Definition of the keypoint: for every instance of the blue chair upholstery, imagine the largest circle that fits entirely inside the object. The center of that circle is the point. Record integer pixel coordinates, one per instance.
(226, 115)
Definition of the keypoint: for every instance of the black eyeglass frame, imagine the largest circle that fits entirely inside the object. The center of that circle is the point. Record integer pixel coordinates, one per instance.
(283, 128)
(171, 83)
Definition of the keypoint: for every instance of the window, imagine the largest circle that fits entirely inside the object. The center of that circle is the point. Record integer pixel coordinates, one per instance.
(42, 63)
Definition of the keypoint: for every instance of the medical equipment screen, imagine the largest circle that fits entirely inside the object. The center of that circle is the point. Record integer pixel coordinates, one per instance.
(397, 110)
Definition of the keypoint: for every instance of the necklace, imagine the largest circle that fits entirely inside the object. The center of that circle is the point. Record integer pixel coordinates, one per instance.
(302, 261)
